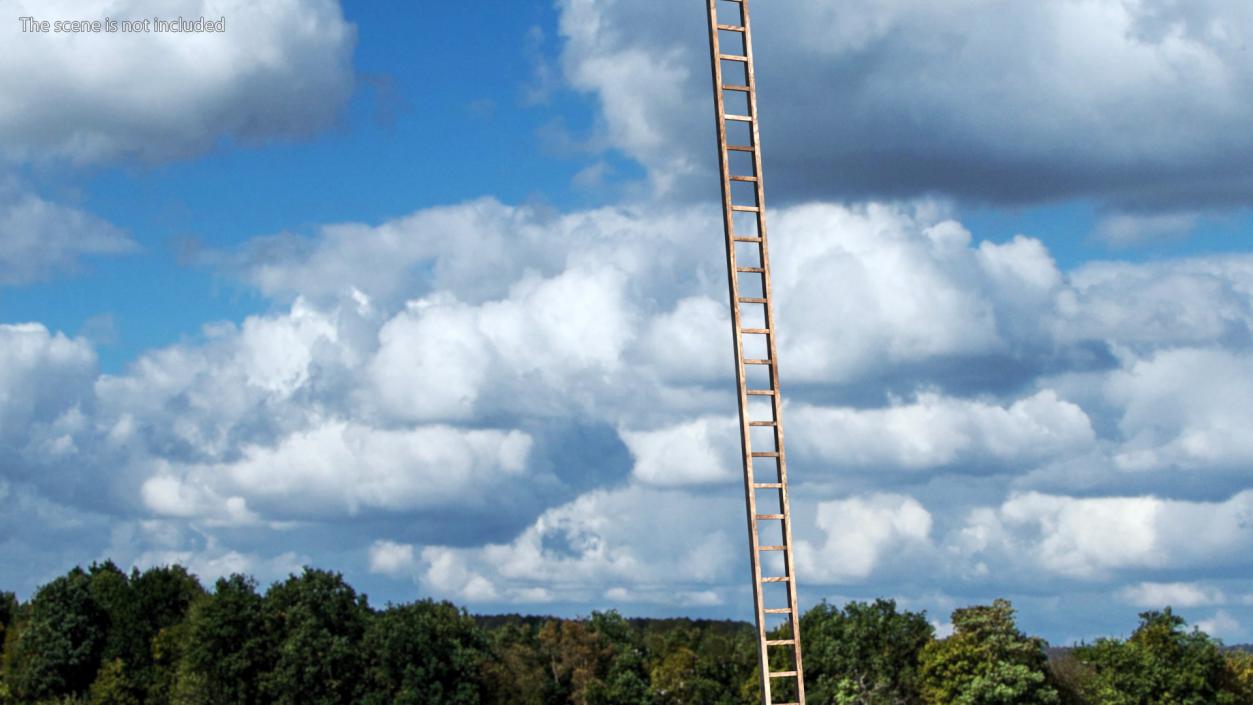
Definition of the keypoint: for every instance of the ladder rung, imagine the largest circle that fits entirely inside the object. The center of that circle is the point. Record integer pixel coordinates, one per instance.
(756, 331)
(777, 610)
(776, 579)
(751, 300)
(741, 118)
(765, 454)
(733, 57)
(731, 27)
(736, 87)
(739, 148)
(767, 486)
(769, 516)
(752, 270)
(743, 178)
(755, 361)
(779, 642)
(771, 548)
(761, 392)
(745, 238)
(745, 209)
(782, 674)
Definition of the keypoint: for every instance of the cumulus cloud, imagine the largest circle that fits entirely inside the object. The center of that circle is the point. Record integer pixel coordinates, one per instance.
(1186, 409)
(340, 467)
(40, 239)
(1133, 102)
(700, 451)
(1159, 595)
(1092, 538)
(45, 379)
(936, 431)
(554, 425)
(651, 545)
(1122, 229)
(1222, 625)
(282, 69)
(391, 558)
(859, 533)
(1199, 302)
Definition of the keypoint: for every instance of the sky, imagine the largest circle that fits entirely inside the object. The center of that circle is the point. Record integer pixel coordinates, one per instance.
(433, 294)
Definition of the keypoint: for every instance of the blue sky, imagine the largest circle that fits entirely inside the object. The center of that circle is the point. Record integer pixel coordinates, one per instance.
(432, 295)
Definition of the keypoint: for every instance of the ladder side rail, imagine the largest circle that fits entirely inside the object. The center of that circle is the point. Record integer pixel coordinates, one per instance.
(741, 383)
(772, 342)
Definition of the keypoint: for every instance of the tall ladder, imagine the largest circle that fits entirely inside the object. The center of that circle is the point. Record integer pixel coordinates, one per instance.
(756, 350)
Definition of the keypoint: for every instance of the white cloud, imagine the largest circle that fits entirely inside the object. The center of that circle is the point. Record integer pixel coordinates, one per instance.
(862, 288)
(1159, 595)
(1122, 229)
(432, 362)
(1083, 92)
(1204, 301)
(656, 546)
(1094, 538)
(281, 69)
(692, 342)
(1222, 625)
(664, 596)
(391, 558)
(40, 239)
(44, 377)
(416, 380)
(861, 533)
(937, 431)
(343, 468)
(1185, 408)
(701, 451)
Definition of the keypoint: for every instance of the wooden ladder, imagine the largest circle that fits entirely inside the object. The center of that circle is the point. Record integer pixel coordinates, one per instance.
(755, 335)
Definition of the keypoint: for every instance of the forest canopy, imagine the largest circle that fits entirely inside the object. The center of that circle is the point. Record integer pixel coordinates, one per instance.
(103, 636)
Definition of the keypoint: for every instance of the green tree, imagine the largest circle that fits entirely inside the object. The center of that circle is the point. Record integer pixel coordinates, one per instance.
(9, 615)
(124, 637)
(624, 680)
(1161, 664)
(1075, 680)
(424, 652)
(164, 596)
(1239, 677)
(115, 686)
(515, 674)
(867, 653)
(58, 651)
(318, 621)
(986, 661)
(574, 659)
(675, 678)
(226, 651)
(8, 612)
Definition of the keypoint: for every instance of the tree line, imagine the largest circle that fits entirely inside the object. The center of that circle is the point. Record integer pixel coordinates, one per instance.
(105, 637)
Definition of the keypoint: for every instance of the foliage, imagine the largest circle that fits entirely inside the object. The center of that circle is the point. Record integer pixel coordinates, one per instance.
(515, 673)
(424, 652)
(1238, 679)
(58, 651)
(866, 653)
(103, 637)
(1161, 664)
(317, 622)
(114, 685)
(8, 612)
(986, 661)
(227, 650)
